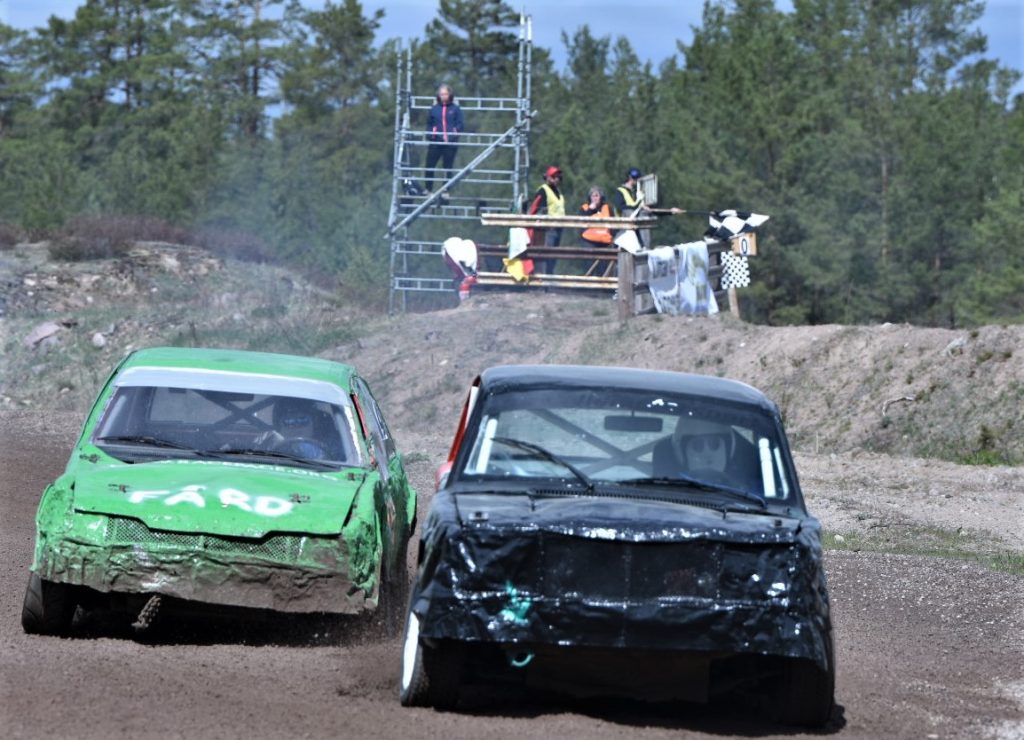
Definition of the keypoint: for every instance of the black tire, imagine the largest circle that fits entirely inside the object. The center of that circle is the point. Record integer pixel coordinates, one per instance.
(49, 607)
(431, 676)
(807, 693)
(394, 595)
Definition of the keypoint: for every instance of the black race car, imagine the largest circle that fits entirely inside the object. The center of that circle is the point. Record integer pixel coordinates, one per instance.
(612, 531)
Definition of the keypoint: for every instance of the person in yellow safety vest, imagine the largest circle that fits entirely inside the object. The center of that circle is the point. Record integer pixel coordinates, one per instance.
(596, 205)
(628, 197)
(548, 200)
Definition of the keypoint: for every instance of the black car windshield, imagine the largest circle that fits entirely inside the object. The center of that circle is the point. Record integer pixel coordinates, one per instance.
(630, 438)
(143, 423)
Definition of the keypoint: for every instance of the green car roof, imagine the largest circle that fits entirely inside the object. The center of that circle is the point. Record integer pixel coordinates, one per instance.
(241, 361)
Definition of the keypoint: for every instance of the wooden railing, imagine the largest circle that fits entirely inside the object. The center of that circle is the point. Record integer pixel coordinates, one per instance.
(619, 223)
(597, 265)
(608, 269)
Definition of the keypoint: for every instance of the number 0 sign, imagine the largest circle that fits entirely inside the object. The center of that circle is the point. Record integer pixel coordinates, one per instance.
(745, 245)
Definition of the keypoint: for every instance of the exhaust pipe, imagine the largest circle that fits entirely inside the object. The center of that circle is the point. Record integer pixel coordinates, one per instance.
(148, 614)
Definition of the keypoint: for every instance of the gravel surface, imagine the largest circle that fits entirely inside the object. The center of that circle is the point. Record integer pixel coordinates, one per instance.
(926, 647)
(861, 493)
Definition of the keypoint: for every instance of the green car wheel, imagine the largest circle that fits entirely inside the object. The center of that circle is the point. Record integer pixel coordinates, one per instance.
(395, 594)
(49, 607)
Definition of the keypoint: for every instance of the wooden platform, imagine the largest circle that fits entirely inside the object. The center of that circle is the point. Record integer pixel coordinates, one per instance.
(602, 263)
(504, 280)
(605, 254)
(527, 221)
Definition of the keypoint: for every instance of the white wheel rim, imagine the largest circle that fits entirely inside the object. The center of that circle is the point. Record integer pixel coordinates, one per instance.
(412, 644)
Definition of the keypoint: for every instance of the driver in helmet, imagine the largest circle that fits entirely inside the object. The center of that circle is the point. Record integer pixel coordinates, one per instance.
(703, 448)
(293, 429)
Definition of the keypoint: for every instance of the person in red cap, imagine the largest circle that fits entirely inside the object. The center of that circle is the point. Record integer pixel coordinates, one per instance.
(549, 200)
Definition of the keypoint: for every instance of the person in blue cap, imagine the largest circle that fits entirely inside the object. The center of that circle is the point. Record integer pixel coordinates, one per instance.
(627, 198)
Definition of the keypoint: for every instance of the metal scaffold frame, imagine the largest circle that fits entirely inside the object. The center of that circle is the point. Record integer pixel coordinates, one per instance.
(416, 264)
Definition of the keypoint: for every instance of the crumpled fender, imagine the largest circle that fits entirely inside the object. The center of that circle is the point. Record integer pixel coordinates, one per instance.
(744, 585)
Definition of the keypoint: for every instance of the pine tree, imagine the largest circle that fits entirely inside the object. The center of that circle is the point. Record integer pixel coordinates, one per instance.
(472, 45)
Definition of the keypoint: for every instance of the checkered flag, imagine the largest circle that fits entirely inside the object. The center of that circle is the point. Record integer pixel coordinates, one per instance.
(726, 224)
(735, 271)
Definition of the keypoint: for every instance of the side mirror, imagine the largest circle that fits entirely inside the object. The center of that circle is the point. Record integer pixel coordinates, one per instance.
(441, 475)
(379, 456)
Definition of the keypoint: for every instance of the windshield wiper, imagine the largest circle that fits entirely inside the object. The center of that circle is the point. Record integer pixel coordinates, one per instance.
(538, 450)
(146, 439)
(250, 452)
(699, 484)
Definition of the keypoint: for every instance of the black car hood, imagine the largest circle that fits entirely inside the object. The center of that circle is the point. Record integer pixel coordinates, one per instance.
(531, 568)
(630, 518)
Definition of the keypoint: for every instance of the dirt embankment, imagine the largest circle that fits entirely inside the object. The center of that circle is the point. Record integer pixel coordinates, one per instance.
(862, 404)
(901, 390)
(868, 409)
(897, 389)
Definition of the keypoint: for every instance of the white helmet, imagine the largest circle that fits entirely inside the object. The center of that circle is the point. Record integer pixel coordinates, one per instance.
(702, 441)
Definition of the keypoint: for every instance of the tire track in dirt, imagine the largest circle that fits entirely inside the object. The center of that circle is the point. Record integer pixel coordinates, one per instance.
(924, 647)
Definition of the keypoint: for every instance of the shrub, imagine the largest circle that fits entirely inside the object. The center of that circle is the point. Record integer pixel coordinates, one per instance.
(101, 237)
(77, 249)
(9, 235)
(125, 228)
(233, 243)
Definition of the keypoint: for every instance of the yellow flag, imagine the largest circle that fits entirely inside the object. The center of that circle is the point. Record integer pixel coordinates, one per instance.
(519, 269)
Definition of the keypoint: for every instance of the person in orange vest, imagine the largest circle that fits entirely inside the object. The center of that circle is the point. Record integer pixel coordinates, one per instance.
(548, 200)
(596, 205)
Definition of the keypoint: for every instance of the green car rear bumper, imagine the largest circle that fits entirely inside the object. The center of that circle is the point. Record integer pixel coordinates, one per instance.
(289, 573)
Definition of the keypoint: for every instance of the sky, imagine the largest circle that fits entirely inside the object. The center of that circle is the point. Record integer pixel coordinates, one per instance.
(652, 26)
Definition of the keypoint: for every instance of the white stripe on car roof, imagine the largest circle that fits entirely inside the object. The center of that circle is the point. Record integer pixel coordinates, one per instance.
(232, 382)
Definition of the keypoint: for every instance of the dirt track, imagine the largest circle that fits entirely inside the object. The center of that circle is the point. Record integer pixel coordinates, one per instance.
(926, 648)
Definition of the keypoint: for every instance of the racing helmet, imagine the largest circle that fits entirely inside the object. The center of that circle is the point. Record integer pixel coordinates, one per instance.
(703, 444)
(292, 415)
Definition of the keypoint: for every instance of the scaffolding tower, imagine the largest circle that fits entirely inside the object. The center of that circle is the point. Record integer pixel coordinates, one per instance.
(417, 264)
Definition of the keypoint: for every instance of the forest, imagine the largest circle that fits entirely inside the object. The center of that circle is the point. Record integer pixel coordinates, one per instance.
(880, 137)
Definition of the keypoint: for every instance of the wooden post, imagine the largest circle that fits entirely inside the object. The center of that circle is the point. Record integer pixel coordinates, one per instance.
(626, 261)
(734, 303)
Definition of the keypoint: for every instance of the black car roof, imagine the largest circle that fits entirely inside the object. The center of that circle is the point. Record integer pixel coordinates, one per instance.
(505, 378)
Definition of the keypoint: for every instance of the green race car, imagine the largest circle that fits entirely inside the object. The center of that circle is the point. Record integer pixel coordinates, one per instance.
(227, 478)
